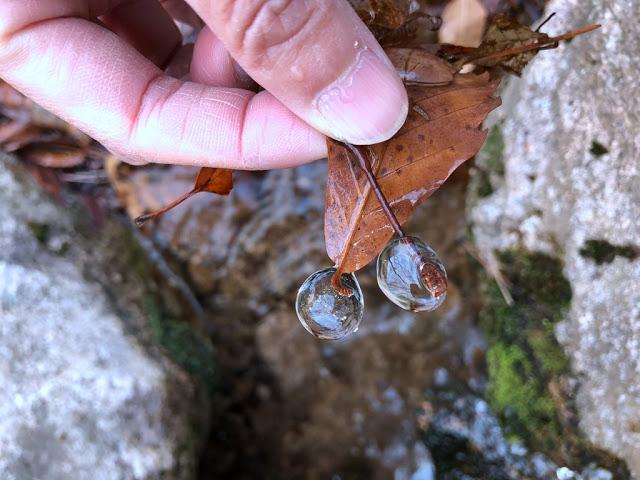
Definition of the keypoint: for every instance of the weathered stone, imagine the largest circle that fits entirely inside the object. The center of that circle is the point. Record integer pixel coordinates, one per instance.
(81, 397)
(571, 178)
(467, 443)
(294, 406)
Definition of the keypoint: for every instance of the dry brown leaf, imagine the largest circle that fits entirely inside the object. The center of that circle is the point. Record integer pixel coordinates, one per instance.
(463, 23)
(505, 33)
(443, 130)
(389, 14)
(212, 180)
(418, 67)
(9, 128)
(53, 155)
(506, 44)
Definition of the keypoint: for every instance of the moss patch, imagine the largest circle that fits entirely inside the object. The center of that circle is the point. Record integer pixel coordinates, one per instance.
(489, 164)
(601, 251)
(598, 149)
(186, 348)
(526, 365)
(40, 231)
(493, 151)
(524, 355)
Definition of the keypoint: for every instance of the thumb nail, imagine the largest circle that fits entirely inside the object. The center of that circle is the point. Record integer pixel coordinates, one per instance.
(367, 105)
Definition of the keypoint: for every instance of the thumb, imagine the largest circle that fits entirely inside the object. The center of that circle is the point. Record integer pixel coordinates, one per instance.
(317, 58)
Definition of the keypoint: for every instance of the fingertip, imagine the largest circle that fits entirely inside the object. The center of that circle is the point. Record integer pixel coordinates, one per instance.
(367, 105)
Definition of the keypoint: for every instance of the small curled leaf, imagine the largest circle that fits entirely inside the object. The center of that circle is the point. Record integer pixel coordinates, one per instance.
(212, 180)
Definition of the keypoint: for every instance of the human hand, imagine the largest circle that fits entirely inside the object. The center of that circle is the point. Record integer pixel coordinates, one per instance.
(321, 67)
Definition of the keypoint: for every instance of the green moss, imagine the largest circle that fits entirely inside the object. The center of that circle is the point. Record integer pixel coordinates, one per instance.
(524, 356)
(601, 251)
(186, 348)
(518, 393)
(548, 354)
(540, 293)
(483, 185)
(40, 231)
(493, 151)
(526, 365)
(489, 163)
(598, 149)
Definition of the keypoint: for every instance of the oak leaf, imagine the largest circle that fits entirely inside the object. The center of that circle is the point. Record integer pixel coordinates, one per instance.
(505, 33)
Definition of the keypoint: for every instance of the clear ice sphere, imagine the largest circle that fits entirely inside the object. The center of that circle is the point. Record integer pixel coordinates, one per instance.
(411, 275)
(325, 313)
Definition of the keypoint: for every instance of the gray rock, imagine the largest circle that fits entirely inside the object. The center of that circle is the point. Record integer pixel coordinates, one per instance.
(562, 189)
(467, 443)
(80, 397)
(295, 406)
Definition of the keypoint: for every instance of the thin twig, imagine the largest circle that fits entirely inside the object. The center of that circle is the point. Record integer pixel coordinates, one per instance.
(550, 42)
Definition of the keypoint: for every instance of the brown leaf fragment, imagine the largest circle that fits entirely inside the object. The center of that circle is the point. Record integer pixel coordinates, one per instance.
(53, 155)
(418, 67)
(389, 14)
(402, 23)
(213, 180)
(409, 167)
(506, 44)
(504, 33)
(9, 128)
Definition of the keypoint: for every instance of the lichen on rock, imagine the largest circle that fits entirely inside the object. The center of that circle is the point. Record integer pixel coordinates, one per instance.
(560, 192)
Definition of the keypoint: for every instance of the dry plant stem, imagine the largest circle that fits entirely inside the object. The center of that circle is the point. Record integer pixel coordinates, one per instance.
(365, 165)
(551, 42)
(545, 21)
(142, 219)
(433, 279)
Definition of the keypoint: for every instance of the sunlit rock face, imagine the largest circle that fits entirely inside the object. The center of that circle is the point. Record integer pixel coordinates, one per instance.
(572, 176)
(82, 397)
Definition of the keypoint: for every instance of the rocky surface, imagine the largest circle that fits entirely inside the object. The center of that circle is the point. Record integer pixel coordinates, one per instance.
(467, 443)
(85, 394)
(571, 189)
(291, 405)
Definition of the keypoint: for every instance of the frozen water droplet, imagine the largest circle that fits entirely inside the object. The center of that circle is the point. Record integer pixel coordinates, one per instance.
(411, 275)
(325, 313)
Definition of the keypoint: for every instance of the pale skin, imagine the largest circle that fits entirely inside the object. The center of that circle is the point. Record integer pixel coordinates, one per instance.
(116, 70)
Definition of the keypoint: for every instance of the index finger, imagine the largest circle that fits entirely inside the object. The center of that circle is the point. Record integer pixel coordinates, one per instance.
(93, 79)
(318, 58)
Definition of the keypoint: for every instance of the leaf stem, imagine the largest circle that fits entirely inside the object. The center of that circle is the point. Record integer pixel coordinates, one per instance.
(142, 219)
(365, 165)
(545, 21)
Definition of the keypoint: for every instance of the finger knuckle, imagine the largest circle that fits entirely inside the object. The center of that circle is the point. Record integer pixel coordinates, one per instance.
(266, 30)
